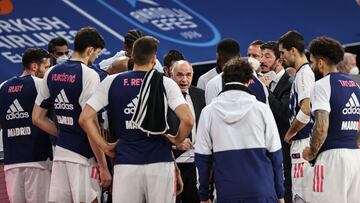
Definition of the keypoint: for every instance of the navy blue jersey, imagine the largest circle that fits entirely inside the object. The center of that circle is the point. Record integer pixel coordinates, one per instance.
(339, 95)
(119, 94)
(257, 88)
(68, 86)
(23, 142)
(303, 83)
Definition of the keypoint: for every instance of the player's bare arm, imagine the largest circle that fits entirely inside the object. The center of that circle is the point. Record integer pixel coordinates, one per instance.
(297, 125)
(40, 119)
(88, 122)
(320, 131)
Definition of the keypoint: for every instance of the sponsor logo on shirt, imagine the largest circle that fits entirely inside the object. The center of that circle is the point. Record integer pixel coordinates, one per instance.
(15, 111)
(352, 106)
(130, 107)
(62, 102)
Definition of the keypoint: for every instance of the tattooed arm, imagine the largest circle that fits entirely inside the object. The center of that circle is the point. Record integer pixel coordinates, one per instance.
(320, 131)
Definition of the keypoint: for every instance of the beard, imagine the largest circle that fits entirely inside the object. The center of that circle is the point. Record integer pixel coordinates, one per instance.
(318, 74)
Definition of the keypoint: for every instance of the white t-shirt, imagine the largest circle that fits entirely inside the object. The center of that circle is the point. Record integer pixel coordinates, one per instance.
(206, 77)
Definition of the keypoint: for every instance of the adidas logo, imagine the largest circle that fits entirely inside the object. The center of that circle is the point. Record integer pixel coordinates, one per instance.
(15, 111)
(130, 109)
(62, 102)
(352, 106)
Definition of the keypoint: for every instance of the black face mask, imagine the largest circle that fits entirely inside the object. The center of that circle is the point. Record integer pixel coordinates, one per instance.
(318, 74)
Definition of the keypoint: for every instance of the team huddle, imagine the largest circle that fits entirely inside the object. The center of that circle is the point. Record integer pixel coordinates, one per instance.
(251, 131)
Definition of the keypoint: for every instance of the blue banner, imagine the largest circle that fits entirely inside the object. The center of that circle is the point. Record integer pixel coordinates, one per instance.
(192, 27)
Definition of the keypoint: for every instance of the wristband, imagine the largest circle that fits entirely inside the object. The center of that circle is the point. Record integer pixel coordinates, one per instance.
(303, 118)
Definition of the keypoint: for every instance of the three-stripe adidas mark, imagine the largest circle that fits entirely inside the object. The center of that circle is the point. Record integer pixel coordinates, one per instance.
(352, 106)
(130, 109)
(62, 102)
(15, 111)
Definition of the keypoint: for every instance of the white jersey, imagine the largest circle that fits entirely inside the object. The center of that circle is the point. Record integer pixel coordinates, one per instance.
(206, 77)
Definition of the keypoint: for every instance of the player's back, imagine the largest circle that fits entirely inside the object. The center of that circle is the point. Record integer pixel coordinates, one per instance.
(135, 146)
(344, 115)
(21, 138)
(68, 86)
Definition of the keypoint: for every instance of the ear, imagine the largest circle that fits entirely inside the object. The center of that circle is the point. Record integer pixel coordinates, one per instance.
(292, 50)
(90, 51)
(33, 67)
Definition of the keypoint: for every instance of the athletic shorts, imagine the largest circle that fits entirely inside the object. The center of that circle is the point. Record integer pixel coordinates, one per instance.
(337, 176)
(150, 183)
(25, 184)
(301, 170)
(74, 182)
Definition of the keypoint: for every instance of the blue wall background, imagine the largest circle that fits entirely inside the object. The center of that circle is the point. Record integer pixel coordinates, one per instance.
(192, 27)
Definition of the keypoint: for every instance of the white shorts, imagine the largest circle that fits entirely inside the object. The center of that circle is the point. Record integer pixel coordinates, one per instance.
(27, 185)
(301, 171)
(74, 182)
(337, 176)
(150, 183)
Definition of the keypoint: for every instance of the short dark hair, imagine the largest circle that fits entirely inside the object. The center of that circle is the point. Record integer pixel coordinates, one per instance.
(273, 46)
(327, 48)
(237, 70)
(143, 49)
(257, 42)
(131, 36)
(172, 55)
(228, 48)
(88, 37)
(293, 39)
(34, 55)
(58, 41)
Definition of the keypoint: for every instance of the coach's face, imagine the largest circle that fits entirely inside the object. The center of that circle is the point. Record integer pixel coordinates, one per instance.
(182, 75)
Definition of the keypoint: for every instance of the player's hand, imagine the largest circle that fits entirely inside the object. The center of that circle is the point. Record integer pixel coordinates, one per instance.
(110, 149)
(185, 145)
(105, 177)
(179, 182)
(207, 201)
(288, 137)
(172, 139)
(307, 154)
(281, 200)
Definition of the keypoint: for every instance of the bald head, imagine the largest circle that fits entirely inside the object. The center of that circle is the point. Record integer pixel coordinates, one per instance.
(182, 74)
